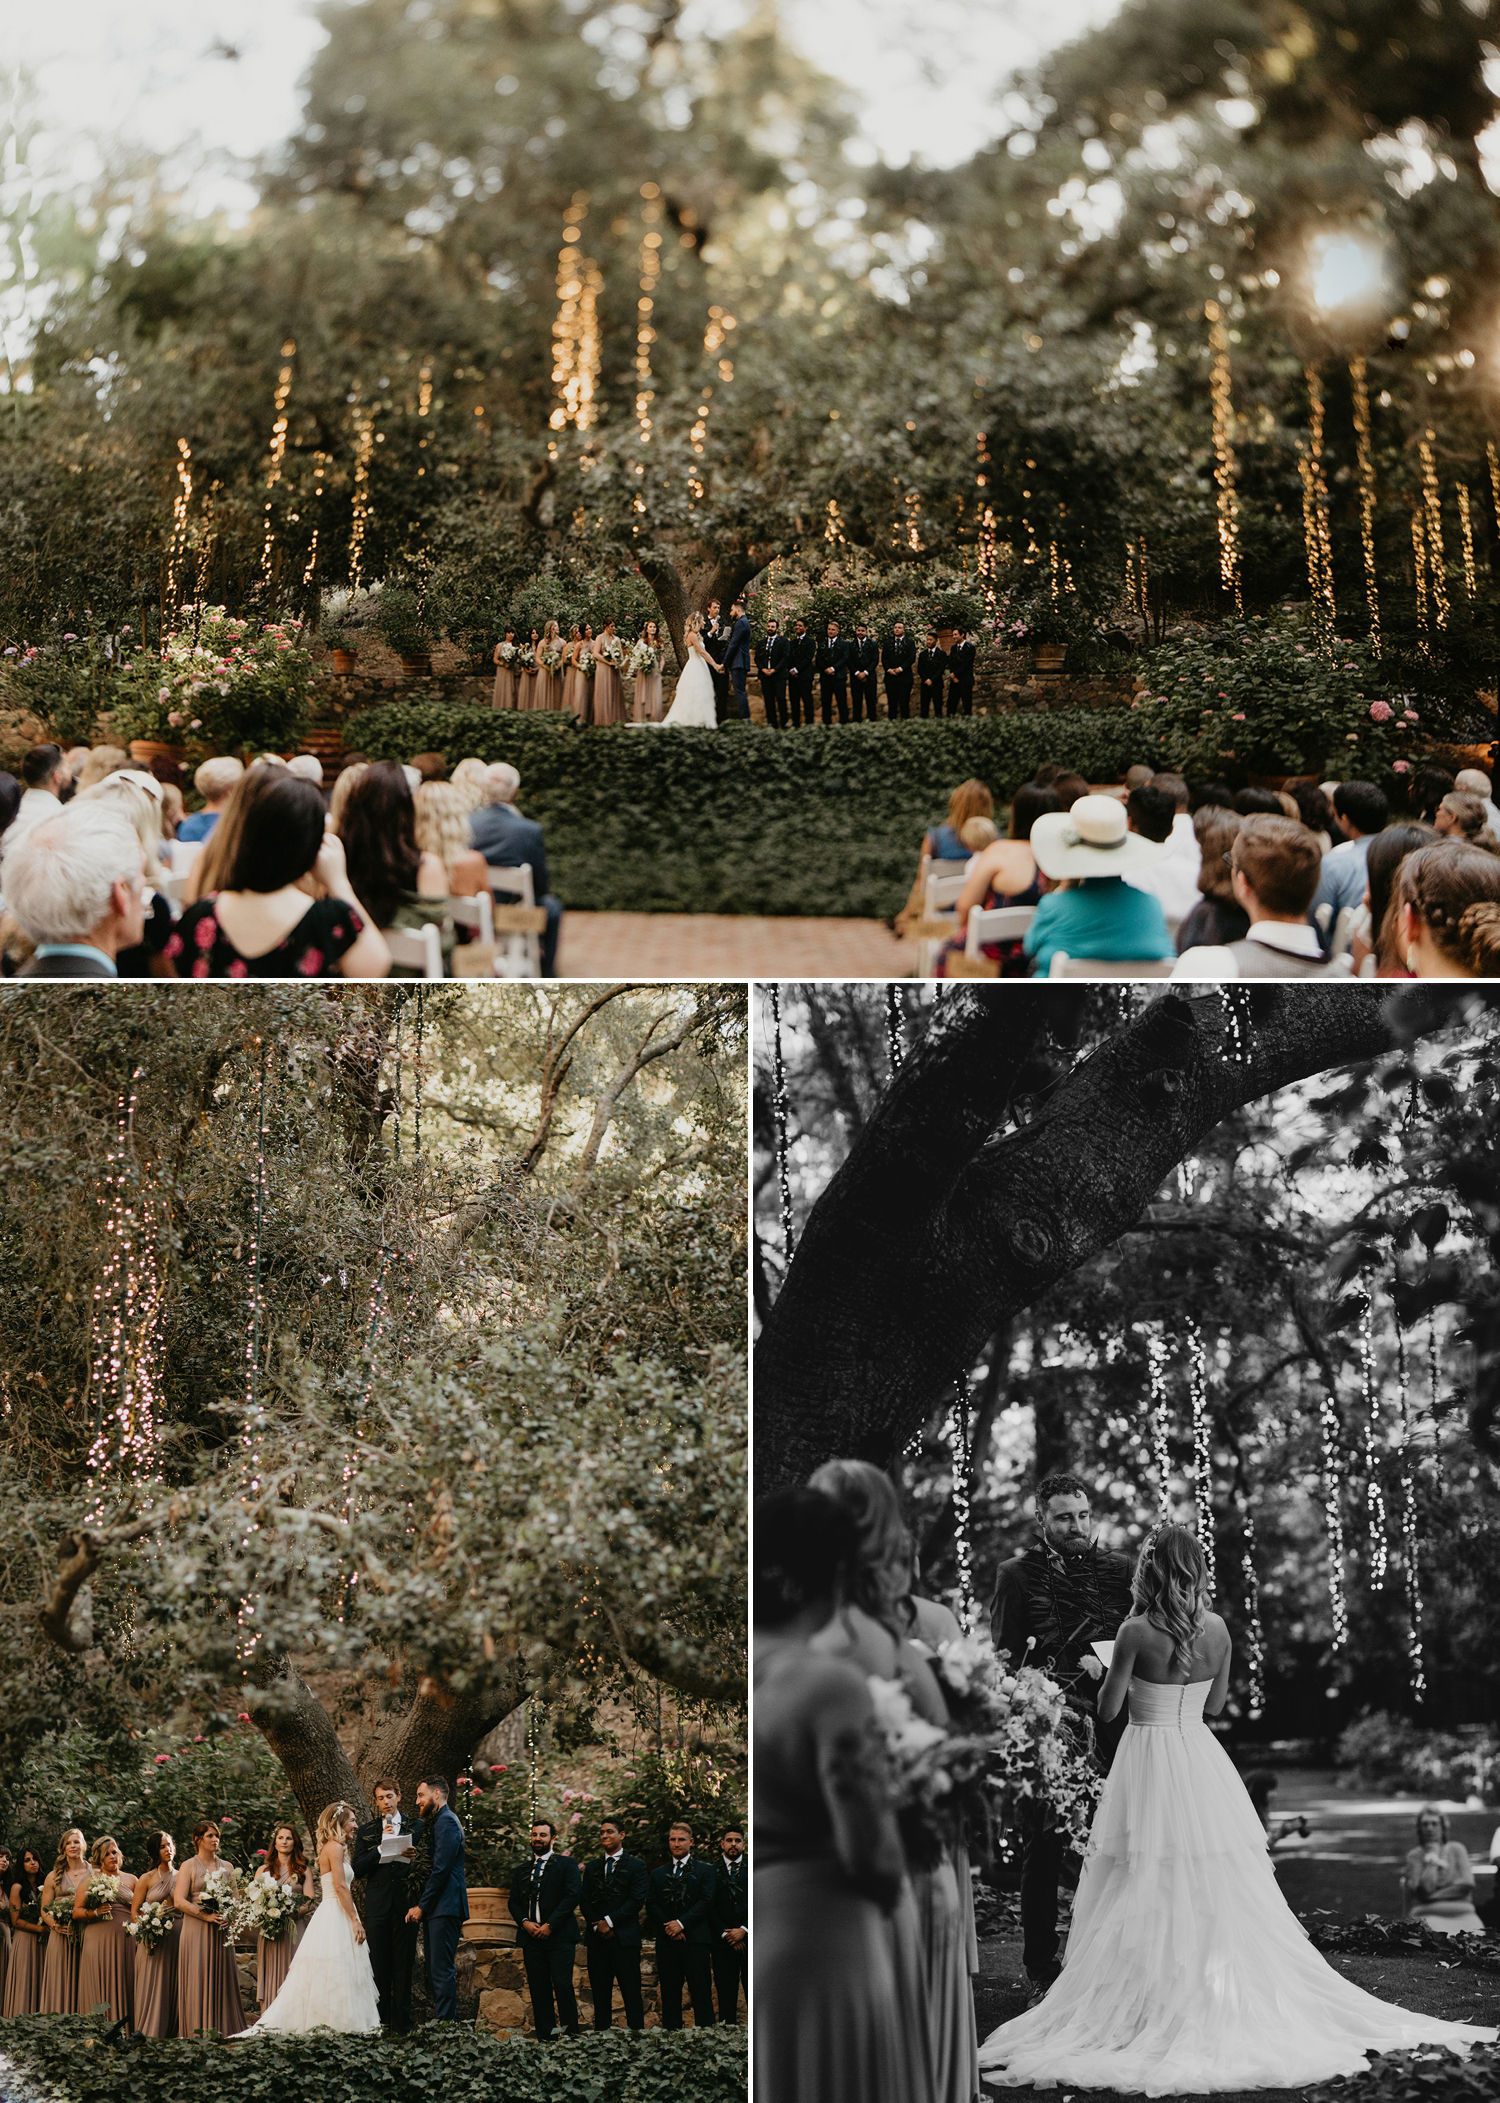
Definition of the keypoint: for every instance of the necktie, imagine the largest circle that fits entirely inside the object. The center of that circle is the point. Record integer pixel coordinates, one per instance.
(609, 1869)
(677, 1872)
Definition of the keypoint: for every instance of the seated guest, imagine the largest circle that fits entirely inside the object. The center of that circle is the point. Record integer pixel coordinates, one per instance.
(399, 885)
(1218, 917)
(1374, 946)
(943, 843)
(1067, 788)
(1473, 781)
(1003, 875)
(1360, 810)
(1426, 789)
(442, 820)
(1089, 850)
(979, 833)
(1259, 803)
(1136, 778)
(1184, 840)
(173, 810)
(1210, 795)
(307, 767)
(1438, 1880)
(432, 766)
(1173, 881)
(77, 757)
(471, 778)
(10, 803)
(1316, 813)
(140, 797)
(280, 903)
(1274, 865)
(1446, 900)
(1461, 817)
(76, 887)
(507, 840)
(44, 776)
(343, 789)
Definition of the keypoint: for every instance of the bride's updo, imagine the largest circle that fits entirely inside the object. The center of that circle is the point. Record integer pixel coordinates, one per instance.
(333, 1823)
(1170, 1588)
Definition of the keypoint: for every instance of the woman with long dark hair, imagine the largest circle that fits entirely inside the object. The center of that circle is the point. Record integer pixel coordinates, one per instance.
(156, 1970)
(23, 1975)
(286, 1861)
(397, 883)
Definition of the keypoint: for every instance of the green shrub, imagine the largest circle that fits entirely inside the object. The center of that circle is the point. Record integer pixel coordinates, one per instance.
(402, 622)
(645, 1792)
(61, 684)
(1390, 1752)
(745, 820)
(65, 2057)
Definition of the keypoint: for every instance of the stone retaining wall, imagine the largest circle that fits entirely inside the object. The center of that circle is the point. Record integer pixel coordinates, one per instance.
(498, 1979)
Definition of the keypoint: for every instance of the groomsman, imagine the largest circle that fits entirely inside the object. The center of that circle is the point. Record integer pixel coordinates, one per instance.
(715, 639)
(864, 675)
(961, 677)
(679, 1903)
(802, 664)
(731, 1926)
(614, 1894)
(931, 666)
(543, 1895)
(772, 661)
(736, 658)
(391, 1937)
(898, 654)
(833, 674)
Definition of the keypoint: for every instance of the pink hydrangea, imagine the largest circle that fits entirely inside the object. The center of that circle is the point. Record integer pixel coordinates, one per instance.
(1381, 711)
(1402, 766)
(244, 1716)
(174, 717)
(1411, 715)
(1237, 719)
(573, 1821)
(162, 1759)
(70, 637)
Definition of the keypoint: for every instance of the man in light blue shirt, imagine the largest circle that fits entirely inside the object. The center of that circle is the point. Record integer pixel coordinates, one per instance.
(1362, 811)
(1092, 848)
(215, 782)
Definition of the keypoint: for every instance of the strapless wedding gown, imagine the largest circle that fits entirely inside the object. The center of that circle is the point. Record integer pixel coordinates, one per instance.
(329, 1984)
(693, 703)
(1186, 1970)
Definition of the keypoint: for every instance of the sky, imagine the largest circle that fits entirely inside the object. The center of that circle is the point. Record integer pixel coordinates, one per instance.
(153, 72)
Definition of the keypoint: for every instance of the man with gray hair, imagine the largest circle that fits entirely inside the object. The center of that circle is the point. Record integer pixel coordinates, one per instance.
(1473, 781)
(76, 885)
(506, 840)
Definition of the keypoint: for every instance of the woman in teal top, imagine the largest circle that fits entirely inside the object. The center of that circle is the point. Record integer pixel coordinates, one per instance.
(1091, 849)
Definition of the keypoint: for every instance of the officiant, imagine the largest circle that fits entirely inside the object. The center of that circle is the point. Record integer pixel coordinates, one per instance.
(1051, 1605)
(383, 1849)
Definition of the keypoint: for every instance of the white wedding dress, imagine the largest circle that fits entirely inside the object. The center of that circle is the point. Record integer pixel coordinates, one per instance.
(329, 1984)
(693, 703)
(1186, 1970)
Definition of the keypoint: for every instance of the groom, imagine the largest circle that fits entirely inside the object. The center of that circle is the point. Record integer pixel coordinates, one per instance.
(392, 1937)
(1064, 1594)
(736, 658)
(444, 1904)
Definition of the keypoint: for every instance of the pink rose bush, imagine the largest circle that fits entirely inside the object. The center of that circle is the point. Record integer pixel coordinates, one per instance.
(231, 682)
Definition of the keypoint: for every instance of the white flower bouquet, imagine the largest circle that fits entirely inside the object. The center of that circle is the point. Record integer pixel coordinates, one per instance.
(60, 1913)
(611, 650)
(939, 1777)
(267, 1906)
(219, 1897)
(550, 656)
(103, 1892)
(1045, 1751)
(587, 661)
(507, 653)
(644, 658)
(151, 1926)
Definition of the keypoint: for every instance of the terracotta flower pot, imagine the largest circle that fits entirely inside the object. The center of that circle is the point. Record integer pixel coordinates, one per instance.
(144, 750)
(1048, 657)
(343, 660)
(418, 667)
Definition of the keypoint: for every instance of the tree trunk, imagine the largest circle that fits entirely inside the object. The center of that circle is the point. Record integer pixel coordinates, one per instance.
(935, 1232)
(686, 579)
(299, 1730)
(438, 1733)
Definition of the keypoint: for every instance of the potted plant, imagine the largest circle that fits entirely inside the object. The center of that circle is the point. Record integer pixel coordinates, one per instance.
(1044, 624)
(345, 618)
(404, 628)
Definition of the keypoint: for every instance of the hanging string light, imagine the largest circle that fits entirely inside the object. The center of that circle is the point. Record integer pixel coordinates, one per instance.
(364, 446)
(320, 463)
(893, 1032)
(779, 1115)
(177, 546)
(1364, 454)
(533, 1734)
(1436, 560)
(1410, 1547)
(645, 307)
(575, 332)
(125, 1346)
(1432, 1399)
(1235, 1002)
(1156, 1370)
(1255, 1642)
(1315, 504)
(1493, 458)
(250, 1436)
(958, 1431)
(1374, 1490)
(278, 453)
(1466, 531)
(1419, 565)
(1333, 1507)
(1203, 1483)
(1226, 467)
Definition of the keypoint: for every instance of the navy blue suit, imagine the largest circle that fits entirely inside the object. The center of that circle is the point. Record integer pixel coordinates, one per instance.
(445, 1908)
(615, 1892)
(686, 1896)
(548, 1891)
(507, 840)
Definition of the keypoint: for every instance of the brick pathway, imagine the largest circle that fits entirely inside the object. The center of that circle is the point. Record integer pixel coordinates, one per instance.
(728, 945)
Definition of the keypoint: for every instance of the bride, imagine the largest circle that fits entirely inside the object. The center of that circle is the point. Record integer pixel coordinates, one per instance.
(693, 704)
(1186, 1970)
(329, 1984)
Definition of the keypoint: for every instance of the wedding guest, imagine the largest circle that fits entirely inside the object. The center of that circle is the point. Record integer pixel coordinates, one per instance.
(504, 695)
(1361, 811)
(1446, 899)
(139, 796)
(833, 674)
(208, 1985)
(101, 762)
(609, 696)
(1218, 917)
(1473, 781)
(1258, 803)
(442, 832)
(1461, 817)
(1439, 1879)
(1003, 875)
(1211, 795)
(898, 657)
(23, 1973)
(257, 919)
(1374, 946)
(679, 1902)
(343, 789)
(286, 1861)
(1089, 850)
(506, 840)
(104, 1967)
(156, 1970)
(772, 661)
(10, 803)
(613, 1898)
(1274, 865)
(736, 659)
(76, 888)
(1173, 881)
(44, 776)
(1427, 787)
(392, 1936)
(961, 675)
(1316, 813)
(802, 664)
(730, 1921)
(173, 812)
(828, 1862)
(471, 778)
(979, 833)
(544, 1895)
(1068, 788)
(645, 706)
(398, 885)
(942, 843)
(68, 1875)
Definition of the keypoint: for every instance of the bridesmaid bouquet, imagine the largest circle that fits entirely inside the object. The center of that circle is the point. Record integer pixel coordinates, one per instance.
(611, 649)
(550, 656)
(60, 1913)
(939, 1778)
(268, 1906)
(508, 653)
(643, 658)
(219, 1897)
(103, 1892)
(586, 665)
(151, 1926)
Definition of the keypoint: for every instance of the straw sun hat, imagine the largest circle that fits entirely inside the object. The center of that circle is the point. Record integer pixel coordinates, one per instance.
(1092, 839)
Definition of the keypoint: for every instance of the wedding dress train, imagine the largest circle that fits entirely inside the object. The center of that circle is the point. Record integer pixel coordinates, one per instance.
(693, 703)
(1186, 1970)
(330, 1984)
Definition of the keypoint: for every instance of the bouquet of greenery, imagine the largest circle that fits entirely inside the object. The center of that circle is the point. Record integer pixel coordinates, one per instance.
(60, 1913)
(588, 661)
(219, 1896)
(644, 657)
(611, 650)
(550, 655)
(939, 1778)
(267, 1906)
(103, 1892)
(152, 1925)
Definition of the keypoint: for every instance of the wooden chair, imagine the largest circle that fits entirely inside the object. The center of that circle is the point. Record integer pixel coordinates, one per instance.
(519, 923)
(416, 949)
(476, 914)
(1100, 967)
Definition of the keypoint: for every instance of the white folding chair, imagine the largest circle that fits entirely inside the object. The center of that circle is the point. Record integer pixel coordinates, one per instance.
(1099, 967)
(941, 893)
(477, 914)
(416, 949)
(519, 954)
(1001, 923)
(1345, 928)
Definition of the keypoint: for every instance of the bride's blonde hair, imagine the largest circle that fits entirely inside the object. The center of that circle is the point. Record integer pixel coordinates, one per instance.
(693, 625)
(332, 1822)
(1170, 1588)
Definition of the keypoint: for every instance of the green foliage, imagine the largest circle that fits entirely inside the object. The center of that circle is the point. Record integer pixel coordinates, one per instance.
(1431, 2074)
(65, 2057)
(743, 820)
(233, 684)
(1373, 1936)
(61, 684)
(1396, 1755)
(403, 621)
(571, 596)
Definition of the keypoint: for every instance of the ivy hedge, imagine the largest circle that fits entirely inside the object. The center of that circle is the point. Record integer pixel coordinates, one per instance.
(69, 2059)
(744, 819)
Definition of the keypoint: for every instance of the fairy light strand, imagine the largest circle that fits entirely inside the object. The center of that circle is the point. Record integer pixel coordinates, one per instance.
(1433, 504)
(1466, 534)
(779, 1115)
(1410, 1545)
(575, 331)
(126, 1352)
(1333, 1469)
(1156, 1370)
(1255, 1641)
(1235, 1002)
(1374, 1490)
(1493, 458)
(1226, 467)
(1203, 1485)
(1315, 507)
(1433, 1398)
(1365, 460)
(645, 307)
(1419, 566)
(278, 454)
(364, 446)
(177, 550)
(959, 1434)
(895, 1049)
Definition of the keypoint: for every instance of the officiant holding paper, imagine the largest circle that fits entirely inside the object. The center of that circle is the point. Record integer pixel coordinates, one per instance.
(383, 1850)
(1051, 1606)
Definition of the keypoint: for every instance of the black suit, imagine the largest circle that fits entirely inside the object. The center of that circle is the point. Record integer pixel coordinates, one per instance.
(961, 679)
(716, 642)
(864, 679)
(931, 665)
(550, 1898)
(833, 677)
(773, 654)
(391, 1937)
(731, 1910)
(687, 1897)
(801, 664)
(898, 653)
(615, 1891)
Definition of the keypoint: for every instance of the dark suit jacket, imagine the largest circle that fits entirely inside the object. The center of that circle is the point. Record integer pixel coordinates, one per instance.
(865, 657)
(931, 665)
(445, 1895)
(63, 967)
(803, 653)
(737, 645)
(731, 1897)
(961, 665)
(561, 1888)
(833, 659)
(385, 1884)
(688, 1898)
(772, 654)
(898, 653)
(622, 1897)
(506, 840)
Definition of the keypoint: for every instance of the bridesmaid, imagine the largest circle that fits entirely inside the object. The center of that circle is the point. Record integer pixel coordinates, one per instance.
(4, 1920)
(609, 699)
(505, 678)
(647, 703)
(588, 673)
(526, 677)
(60, 1963)
(23, 1977)
(572, 680)
(104, 1973)
(548, 683)
(288, 1864)
(156, 1970)
(208, 1986)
